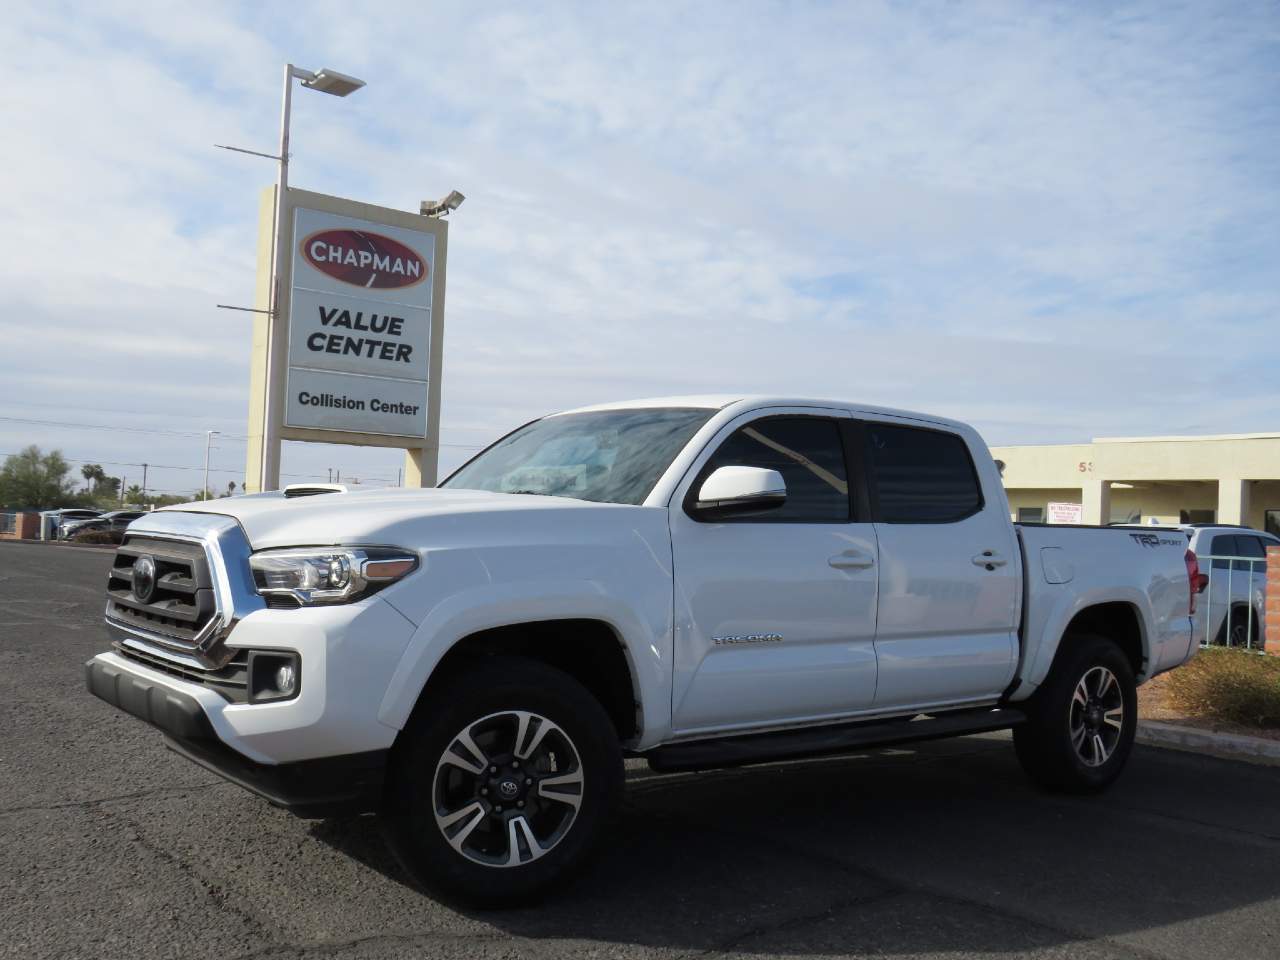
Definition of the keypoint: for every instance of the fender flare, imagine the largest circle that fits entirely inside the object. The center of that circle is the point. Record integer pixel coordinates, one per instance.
(463, 614)
(1064, 610)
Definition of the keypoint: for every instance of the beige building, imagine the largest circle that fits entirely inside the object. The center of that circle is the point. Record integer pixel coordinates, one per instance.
(1231, 478)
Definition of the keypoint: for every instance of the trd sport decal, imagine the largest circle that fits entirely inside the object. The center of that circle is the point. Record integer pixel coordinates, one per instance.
(1153, 540)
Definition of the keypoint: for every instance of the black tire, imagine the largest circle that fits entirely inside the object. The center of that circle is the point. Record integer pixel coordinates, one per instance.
(1242, 622)
(1050, 747)
(487, 702)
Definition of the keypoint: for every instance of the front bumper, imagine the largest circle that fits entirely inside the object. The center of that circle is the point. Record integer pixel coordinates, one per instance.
(322, 787)
(348, 653)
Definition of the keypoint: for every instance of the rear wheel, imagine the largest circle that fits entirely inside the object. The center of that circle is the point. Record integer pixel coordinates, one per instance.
(1082, 721)
(1245, 626)
(500, 790)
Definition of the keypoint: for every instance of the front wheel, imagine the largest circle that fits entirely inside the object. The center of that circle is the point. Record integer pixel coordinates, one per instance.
(1082, 721)
(501, 789)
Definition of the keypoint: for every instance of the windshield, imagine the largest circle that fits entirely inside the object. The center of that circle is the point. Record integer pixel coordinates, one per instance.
(610, 456)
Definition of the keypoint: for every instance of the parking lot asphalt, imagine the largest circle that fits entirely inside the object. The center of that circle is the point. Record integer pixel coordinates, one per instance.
(112, 846)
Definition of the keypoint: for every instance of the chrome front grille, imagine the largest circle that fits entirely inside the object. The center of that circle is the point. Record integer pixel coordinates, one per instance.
(199, 565)
(182, 601)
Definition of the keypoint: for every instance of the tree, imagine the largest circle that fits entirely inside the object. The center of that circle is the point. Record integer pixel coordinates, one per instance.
(231, 488)
(108, 487)
(35, 480)
(133, 494)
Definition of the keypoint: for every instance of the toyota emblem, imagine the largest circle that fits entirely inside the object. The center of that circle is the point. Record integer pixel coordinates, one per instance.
(144, 578)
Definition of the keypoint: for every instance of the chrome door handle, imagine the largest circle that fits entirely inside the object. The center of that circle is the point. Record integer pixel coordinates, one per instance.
(989, 559)
(852, 560)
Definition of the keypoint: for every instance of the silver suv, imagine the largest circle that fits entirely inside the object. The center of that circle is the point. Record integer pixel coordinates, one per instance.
(1232, 608)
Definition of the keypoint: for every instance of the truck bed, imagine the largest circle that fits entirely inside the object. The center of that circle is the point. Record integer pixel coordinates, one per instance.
(1069, 567)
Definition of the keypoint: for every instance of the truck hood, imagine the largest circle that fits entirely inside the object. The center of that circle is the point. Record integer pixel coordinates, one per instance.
(366, 517)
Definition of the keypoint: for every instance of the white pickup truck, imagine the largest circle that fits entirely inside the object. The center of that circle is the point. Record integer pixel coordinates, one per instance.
(699, 581)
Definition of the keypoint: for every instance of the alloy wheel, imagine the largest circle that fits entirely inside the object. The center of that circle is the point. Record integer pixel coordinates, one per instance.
(1097, 716)
(507, 789)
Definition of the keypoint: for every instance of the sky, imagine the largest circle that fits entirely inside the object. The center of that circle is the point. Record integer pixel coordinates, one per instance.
(1054, 220)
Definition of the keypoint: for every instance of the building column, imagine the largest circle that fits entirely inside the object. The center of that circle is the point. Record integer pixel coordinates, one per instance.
(420, 465)
(1097, 502)
(1233, 500)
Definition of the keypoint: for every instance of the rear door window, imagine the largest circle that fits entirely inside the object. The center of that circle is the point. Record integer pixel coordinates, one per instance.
(920, 475)
(1249, 547)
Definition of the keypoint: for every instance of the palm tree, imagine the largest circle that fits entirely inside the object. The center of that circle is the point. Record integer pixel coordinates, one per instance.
(93, 475)
(231, 488)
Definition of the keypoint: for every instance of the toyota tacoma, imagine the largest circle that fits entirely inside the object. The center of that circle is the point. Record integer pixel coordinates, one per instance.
(699, 581)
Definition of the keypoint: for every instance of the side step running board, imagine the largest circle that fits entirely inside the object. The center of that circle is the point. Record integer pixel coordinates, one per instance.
(817, 741)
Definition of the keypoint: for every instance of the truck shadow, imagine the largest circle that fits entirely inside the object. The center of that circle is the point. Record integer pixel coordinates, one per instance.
(944, 848)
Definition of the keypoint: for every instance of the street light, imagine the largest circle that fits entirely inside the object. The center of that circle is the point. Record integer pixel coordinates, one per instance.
(208, 439)
(331, 81)
(335, 84)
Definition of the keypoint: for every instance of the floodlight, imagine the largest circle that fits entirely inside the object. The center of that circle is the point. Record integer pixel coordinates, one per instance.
(333, 82)
(441, 208)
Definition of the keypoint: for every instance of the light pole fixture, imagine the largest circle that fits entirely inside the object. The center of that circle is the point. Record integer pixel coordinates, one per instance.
(442, 207)
(329, 81)
(336, 84)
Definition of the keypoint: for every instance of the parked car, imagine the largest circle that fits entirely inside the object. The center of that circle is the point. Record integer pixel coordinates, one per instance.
(66, 515)
(113, 522)
(1232, 611)
(701, 582)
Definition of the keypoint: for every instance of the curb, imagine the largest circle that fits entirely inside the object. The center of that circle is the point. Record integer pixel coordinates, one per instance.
(1234, 746)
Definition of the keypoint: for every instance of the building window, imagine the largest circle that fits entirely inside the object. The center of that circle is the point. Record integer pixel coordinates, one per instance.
(1197, 516)
(1271, 522)
(1031, 514)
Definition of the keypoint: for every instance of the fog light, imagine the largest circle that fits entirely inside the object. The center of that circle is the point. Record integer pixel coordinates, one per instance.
(273, 675)
(285, 676)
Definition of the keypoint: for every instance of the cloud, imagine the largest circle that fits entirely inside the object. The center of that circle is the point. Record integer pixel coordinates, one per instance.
(1059, 221)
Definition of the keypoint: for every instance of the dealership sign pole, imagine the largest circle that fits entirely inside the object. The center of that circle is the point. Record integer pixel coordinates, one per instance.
(352, 351)
(329, 81)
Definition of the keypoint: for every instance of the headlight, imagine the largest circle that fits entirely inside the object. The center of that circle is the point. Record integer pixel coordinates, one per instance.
(315, 575)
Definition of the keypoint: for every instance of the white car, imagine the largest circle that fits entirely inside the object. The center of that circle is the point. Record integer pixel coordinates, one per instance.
(700, 581)
(60, 518)
(1233, 604)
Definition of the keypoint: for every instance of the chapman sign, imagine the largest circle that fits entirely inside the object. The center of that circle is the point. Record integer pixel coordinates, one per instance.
(360, 326)
(351, 352)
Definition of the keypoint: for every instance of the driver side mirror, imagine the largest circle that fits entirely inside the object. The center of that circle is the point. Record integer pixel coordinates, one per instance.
(731, 491)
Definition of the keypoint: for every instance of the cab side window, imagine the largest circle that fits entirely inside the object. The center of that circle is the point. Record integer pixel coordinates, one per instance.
(809, 454)
(921, 475)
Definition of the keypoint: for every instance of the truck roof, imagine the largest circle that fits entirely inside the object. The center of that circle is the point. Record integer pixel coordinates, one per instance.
(714, 401)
